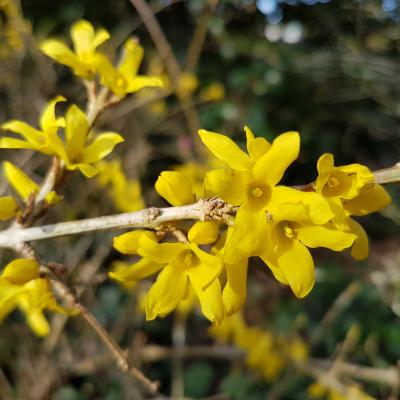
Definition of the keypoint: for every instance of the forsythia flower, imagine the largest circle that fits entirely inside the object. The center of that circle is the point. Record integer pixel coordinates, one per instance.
(350, 190)
(44, 140)
(74, 150)
(124, 78)
(125, 193)
(21, 286)
(83, 59)
(317, 391)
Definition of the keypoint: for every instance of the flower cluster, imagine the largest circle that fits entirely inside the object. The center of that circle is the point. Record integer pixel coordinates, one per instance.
(277, 223)
(87, 62)
(22, 286)
(256, 343)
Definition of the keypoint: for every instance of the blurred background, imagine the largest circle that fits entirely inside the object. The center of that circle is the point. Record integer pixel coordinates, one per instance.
(328, 69)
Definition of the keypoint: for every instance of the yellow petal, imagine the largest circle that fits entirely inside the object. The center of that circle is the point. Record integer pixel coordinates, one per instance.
(20, 182)
(11, 143)
(161, 253)
(271, 262)
(209, 268)
(88, 170)
(228, 184)
(175, 187)
(360, 248)
(140, 82)
(131, 58)
(128, 243)
(58, 51)
(294, 205)
(38, 323)
(76, 131)
(325, 166)
(21, 271)
(211, 302)
(8, 207)
(246, 237)
(256, 147)
(53, 198)
(325, 236)
(234, 293)
(136, 271)
(204, 232)
(167, 292)
(226, 150)
(298, 266)
(82, 34)
(369, 200)
(48, 119)
(29, 133)
(273, 164)
(101, 36)
(101, 147)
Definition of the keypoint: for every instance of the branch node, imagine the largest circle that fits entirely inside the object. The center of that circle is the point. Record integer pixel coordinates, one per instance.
(150, 214)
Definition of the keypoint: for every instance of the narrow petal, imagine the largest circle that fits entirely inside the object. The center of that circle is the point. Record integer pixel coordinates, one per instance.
(204, 232)
(325, 236)
(234, 293)
(325, 166)
(298, 266)
(11, 143)
(161, 253)
(19, 181)
(48, 119)
(38, 323)
(226, 150)
(101, 147)
(29, 133)
(88, 170)
(167, 292)
(230, 185)
(128, 242)
(60, 52)
(175, 187)
(21, 271)
(271, 263)
(136, 271)
(8, 207)
(131, 59)
(360, 248)
(140, 82)
(368, 201)
(273, 164)
(76, 131)
(82, 34)
(101, 36)
(211, 302)
(256, 147)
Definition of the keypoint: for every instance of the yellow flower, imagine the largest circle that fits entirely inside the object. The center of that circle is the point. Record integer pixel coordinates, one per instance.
(44, 140)
(125, 193)
(175, 187)
(8, 208)
(252, 177)
(288, 234)
(21, 286)
(183, 265)
(83, 59)
(124, 78)
(25, 186)
(350, 190)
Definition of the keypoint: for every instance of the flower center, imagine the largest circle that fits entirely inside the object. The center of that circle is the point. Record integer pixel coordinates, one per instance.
(121, 82)
(289, 231)
(257, 192)
(333, 182)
